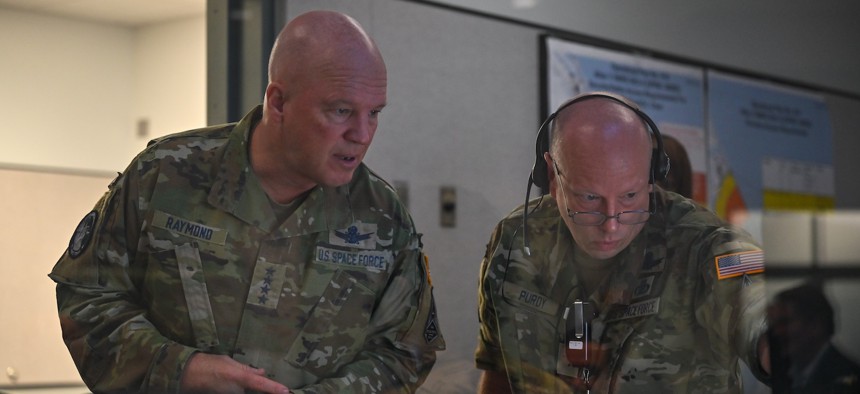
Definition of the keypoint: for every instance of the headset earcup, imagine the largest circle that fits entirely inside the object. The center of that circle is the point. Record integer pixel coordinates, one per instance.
(665, 167)
(539, 175)
(539, 169)
(659, 165)
(659, 158)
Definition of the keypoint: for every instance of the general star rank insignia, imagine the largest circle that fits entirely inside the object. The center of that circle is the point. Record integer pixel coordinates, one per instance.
(266, 285)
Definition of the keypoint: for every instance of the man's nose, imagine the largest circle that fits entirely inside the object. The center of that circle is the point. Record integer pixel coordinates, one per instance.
(361, 130)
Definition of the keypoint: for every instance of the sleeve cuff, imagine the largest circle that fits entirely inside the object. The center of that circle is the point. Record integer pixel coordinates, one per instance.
(166, 371)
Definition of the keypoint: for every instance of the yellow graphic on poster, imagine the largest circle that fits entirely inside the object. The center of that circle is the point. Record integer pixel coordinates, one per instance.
(797, 185)
(729, 202)
(770, 148)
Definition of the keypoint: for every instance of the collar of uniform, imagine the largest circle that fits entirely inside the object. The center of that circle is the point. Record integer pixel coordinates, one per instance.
(623, 280)
(561, 254)
(324, 209)
(238, 191)
(645, 254)
(648, 245)
(235, 188)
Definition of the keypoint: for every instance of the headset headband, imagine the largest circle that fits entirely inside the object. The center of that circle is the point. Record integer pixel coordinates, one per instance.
(659, 158)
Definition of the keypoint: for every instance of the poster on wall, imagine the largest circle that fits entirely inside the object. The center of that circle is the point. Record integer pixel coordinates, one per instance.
(771, 147)
(671, 94)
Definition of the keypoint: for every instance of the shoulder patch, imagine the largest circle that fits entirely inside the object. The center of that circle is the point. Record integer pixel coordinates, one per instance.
(431, 326)
(83, 234)
(736, 264)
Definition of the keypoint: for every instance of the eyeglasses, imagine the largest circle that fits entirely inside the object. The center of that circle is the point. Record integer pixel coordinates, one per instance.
(598, 218)
(584, 218)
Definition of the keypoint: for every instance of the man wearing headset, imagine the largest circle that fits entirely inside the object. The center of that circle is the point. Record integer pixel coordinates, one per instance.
(612, 284)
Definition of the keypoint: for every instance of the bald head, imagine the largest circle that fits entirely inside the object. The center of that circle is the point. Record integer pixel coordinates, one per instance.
(327, 86)
(318, 42)
(601, 155)
(599, 127)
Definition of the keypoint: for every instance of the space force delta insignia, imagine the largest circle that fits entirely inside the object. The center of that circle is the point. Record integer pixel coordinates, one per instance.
(736, 264)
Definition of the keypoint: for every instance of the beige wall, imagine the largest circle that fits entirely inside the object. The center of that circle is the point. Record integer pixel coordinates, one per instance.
(71, 94)
(31, 345)
(73, 91)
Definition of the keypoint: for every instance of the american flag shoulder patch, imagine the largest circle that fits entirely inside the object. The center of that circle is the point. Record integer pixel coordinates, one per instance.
(736, 264)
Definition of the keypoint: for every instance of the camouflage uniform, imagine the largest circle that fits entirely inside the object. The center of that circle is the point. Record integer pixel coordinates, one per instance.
(666, 322)
(183, 254)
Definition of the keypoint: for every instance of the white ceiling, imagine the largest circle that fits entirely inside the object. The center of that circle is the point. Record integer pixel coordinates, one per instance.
(129, 13)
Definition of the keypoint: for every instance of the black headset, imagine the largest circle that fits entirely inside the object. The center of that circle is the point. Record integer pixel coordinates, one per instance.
(659, 158)
(538, 175)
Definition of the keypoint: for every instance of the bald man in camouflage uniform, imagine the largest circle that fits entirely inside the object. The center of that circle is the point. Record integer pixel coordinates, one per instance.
(259, 256)
(672, 298)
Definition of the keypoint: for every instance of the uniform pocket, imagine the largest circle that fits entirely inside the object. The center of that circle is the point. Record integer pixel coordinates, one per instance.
(161, 287)
(178, 300)
(336, 328)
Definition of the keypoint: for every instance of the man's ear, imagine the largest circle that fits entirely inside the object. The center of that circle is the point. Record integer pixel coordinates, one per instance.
(274, 99)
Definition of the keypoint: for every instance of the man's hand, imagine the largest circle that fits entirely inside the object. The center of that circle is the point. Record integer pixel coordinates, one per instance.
(209, 373)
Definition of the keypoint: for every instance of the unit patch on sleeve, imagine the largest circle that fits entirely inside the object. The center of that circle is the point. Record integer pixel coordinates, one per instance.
(431, 326)
(83, 234)
(736, 264)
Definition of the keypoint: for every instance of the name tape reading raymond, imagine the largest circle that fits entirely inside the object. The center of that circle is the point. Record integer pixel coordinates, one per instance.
(371, 259)
(188, 228)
